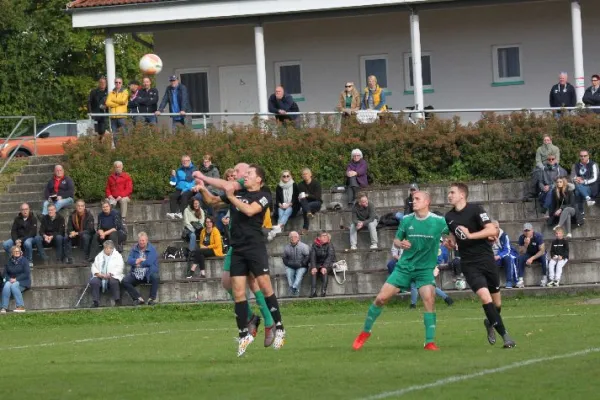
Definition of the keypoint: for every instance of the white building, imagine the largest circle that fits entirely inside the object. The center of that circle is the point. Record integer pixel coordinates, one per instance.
(475, 53)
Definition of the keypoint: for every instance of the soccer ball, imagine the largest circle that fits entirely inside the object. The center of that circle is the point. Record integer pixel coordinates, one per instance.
(151, 64)
(460, 284)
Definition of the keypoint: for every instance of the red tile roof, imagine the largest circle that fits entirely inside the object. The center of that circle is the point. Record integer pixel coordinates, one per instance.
(107, 3)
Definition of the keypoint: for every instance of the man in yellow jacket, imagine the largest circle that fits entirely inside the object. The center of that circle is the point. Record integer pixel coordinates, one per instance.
(116, 102)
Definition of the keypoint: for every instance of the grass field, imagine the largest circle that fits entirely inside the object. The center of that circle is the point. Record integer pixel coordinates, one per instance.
(189, 352)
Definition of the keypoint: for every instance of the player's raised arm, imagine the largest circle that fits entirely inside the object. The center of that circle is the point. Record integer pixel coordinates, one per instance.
(216, 182)
(209, 198)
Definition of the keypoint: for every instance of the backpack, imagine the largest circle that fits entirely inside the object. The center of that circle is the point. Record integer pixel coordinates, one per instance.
(388, 219)
(175, 253)
(338, 189)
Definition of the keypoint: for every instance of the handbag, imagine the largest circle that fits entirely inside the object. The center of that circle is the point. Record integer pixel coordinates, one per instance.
(340, 267)
(197, 225)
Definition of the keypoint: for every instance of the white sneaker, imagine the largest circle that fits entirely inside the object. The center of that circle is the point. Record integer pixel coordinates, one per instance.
(550, 284)
(556, 283)
(520, 283)
(373, 247)
(271, 235)
(279, 339)
(569, 235)
(243, 344)
(589, 201)
(178, 215)
(353, 248)
(544, 281)
(276, 229)
(171, 215)
(3, 311)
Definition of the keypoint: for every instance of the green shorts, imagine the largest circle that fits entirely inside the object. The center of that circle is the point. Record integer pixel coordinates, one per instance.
(402, 278)
(227, 263)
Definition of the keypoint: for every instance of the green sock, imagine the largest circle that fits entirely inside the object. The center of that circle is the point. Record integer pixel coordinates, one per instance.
(264, 309)
(429, 320)
(250, 312)
(372, 315)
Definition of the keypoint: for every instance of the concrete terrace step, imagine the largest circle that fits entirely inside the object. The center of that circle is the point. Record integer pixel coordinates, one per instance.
(33, 178)
(39, 160)
(27, 187)
(38, 169)
(22, 197)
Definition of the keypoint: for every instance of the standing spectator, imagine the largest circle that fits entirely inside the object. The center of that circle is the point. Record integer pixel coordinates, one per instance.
(563, 93)
(296, 256)
(563, 209)
(584, 175)
(281, 103)
(59, 190)
(107, 273)
(552, 171)
(363, 214)
(309, 197)
(52, 232)
(374, 96)
(591, 97)
(108, 228)
(96, 105)
(211, 245)
(531, 249)
(132, 105)
(23, 232)
(349, 102)
(178, 100)
(144, 269)
(80, 231)
(286, 200)
(17, 279)
(408, 202)
(193, 222)
(559, 256)
(116, 102)
(184, 184)
(322, 257)
(147, 101)
(356, 175)
(119, 188)
(505, 256)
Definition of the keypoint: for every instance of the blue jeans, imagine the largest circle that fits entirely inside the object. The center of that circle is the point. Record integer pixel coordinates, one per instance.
(414, 293)
(57, 241)
(523, 259)
(294, 276)
(399, 216)
(16, 290)
(284, 215)
(193, 244)
(510, 268)
(391, 265)
(309, 207)
(151, 120)
(60, 204)
(581, 193)
(27, 247)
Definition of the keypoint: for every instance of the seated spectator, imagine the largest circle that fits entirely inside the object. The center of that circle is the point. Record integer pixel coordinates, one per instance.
(356, 175)
(591, 97)
(363, 215)
(80, 231)
(59, 190)
(211, 245)
(119, 188)
(349, 102)
(584, 175)
(559, 256)
(286, 200)
(322, 257)
(23, 232)
(309, 197)
(374, 96)
(505, 256)
(281, 103)
(184, 184)
(551, 172)
(562, 209)
(296, 256)
(107, 270)
(108, 228)
(210, 170)
(144, 269)
(531, 249)
(193, 222)
(116, 102)
(17, 279)
(396, 252)
(52, 232)
(541, 155)
(225, 232)
(408, 202)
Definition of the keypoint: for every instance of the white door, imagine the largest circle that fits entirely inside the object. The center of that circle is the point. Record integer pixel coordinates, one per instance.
(239, 92)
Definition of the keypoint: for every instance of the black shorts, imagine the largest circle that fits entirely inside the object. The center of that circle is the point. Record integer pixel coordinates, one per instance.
(481, 274)
(250, 260)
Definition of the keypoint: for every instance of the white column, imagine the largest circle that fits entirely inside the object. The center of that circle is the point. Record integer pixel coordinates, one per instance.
(109, 49)
(261, 72)
(578, 49)
(415, 36)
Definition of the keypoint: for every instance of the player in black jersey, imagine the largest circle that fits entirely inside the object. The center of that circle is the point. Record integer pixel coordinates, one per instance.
(472, 229)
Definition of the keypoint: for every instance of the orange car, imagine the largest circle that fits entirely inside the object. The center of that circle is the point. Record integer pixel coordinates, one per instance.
(50, 140)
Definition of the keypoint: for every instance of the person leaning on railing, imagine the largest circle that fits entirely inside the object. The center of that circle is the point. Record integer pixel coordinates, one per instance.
(374, 96)
(349, 101)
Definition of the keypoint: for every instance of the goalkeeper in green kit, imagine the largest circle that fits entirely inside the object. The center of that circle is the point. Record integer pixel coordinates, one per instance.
(419, 235)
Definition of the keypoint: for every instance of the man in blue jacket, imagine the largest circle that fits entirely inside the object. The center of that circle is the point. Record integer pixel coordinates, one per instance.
(531, 249)
(185, 189)
(506, 256)
(143, 261)
(178, 99)
(281, 103)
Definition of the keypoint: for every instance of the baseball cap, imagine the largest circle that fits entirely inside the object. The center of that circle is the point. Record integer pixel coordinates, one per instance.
(172, 78)
(527, 227)
(413, 186)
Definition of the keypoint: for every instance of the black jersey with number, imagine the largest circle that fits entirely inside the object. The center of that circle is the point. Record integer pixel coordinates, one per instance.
(474, 218)
(247, 231)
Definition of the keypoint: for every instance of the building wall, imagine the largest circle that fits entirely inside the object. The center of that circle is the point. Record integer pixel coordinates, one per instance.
(460, 41)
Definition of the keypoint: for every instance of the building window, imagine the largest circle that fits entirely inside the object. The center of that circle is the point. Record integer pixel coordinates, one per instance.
(507, 64)
(196, 82)
(289, 75)
(409, 84)
(374, 65)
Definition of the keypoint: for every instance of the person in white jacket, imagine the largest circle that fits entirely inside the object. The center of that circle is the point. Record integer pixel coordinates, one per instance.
(108, 271)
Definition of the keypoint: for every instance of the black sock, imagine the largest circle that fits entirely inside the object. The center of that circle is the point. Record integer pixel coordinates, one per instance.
(498, 308)
(274, 309)
(241, 317)
(494, 318)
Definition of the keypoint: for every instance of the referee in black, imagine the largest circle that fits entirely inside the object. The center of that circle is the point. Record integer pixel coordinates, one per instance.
(473, 231)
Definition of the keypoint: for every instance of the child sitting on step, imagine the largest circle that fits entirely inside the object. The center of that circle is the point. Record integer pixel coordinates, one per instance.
(559, 256)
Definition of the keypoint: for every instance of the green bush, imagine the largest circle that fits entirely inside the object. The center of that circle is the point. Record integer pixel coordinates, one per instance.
(495, 147)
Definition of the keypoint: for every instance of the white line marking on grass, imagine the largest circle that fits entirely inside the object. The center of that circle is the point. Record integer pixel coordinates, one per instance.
(459, 378)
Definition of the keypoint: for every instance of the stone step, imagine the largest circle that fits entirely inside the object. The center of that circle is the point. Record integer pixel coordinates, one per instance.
(27, 187)
(33, 178)
(38, 169)
(40, 160)
(22, 197)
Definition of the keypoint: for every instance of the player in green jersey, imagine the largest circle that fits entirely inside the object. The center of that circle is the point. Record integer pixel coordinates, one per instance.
(419, 235)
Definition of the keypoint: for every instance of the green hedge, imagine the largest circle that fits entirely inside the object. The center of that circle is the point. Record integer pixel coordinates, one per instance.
(495, 147)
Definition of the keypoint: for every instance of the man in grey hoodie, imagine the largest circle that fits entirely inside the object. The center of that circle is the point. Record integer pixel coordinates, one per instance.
(295, 258)
(541, 155)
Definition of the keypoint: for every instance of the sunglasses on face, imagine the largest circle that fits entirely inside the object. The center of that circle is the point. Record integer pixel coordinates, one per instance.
(551, 159)
(348, 86)
(285, 176)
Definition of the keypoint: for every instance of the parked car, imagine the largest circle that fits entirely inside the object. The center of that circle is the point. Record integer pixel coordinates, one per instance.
(50, 140)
